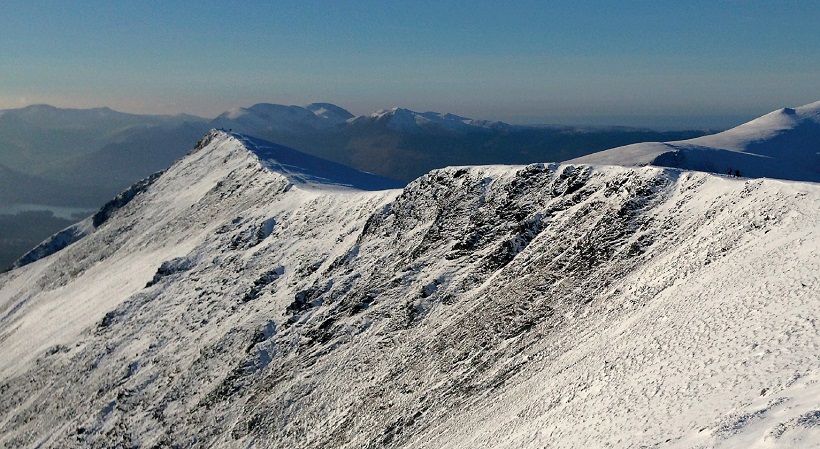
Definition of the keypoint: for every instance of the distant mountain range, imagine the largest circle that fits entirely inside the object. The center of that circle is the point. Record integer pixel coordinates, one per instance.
(91, 153)
(95, 153)
(80, 158)
(402, 144)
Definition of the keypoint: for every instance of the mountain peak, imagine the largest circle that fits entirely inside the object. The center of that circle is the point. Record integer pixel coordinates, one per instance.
(406, 120)
(281, 117)
(299, 168)
(784, 144)
(330, 112)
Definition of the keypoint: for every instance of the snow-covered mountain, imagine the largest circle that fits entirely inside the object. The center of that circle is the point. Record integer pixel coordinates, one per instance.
(94, 153)
(77, 158)
(330, 112)
(236, 301)
(298, 168)
(783, 144)
(400, 119)
(326, 116)
(266, 116)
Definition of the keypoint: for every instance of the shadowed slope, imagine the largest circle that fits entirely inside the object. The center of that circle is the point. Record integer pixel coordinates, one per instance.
(305, 169)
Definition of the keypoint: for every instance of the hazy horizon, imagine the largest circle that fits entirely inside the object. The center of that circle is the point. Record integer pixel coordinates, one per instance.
(525, 63)
(658, 122)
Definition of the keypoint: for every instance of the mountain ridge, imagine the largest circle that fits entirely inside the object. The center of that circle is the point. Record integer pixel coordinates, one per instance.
(95, 154)
(490, 306)
(784, 144)
(298, 169)
(304, 169)
(403, 144)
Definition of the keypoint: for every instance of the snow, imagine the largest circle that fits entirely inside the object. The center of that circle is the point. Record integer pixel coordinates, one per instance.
(783, 144)
(330, 112)
(405, 120)
(763, 128)
(246, 298)
(311, 171)
(381, 113)
(711, 361)
(58, 241)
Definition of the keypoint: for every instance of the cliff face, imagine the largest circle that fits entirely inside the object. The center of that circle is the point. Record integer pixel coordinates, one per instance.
(230, 304)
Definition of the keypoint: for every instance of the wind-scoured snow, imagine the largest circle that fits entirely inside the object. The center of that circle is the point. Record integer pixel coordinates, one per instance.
(310, 170)
(783, 144)
(300, 168)
(228, 305)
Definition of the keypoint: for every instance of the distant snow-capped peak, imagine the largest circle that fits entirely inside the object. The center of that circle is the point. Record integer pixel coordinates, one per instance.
(401, 119)
(282, 117)
(762, 128)
(327, 116)
(330, 112)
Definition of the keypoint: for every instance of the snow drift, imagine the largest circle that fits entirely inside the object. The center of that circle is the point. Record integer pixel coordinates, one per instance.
(230, 304)
(783, 144)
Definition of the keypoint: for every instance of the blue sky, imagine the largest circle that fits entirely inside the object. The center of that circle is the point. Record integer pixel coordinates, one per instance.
(522, 62)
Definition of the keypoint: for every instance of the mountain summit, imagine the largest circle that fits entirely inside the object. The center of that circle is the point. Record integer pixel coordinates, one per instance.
(295, 168)
(330, 112)
(783, 144)
(302, 168)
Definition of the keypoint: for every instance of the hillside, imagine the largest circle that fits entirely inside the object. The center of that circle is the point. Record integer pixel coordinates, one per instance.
(239, 301)
(783, 144)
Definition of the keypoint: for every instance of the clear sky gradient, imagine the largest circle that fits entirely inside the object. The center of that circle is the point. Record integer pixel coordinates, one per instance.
(518, 61)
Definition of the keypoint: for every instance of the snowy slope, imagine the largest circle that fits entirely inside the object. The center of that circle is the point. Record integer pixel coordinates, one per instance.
(496, 306)
(309, 170)
(330, 112)
(783, 144)
(77, 231)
